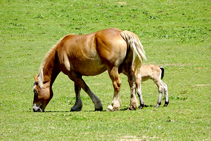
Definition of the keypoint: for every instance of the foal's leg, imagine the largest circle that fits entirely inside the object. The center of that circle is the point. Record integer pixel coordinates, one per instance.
(80, 83)
(166, 94)
(116, 103)
(160, 90)
(78, 103)
(138, 86)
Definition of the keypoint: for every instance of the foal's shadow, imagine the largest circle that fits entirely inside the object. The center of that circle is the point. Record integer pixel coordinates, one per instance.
(145, 106)
(149, 105)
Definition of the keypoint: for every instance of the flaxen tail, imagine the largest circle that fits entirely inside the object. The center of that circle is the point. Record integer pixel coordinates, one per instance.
(135, 44)
(162, 72)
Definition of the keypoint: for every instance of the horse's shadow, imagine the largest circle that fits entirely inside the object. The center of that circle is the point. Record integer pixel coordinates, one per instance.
(123, 109)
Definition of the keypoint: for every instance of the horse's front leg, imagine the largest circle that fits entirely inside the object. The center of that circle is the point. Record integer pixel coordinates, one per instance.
(78, 103)
(116, 103)
(80, 83)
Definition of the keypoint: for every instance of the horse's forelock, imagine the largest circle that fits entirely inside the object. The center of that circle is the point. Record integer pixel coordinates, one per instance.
(34, 86)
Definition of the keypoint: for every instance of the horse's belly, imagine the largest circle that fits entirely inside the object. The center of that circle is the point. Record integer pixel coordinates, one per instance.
(90, 67)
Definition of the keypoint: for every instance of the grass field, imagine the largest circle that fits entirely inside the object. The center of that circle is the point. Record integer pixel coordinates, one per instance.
(175, 34)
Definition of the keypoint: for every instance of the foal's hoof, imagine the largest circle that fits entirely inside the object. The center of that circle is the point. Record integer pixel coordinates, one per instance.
(141, 106)
(157, 106)
(166, 104)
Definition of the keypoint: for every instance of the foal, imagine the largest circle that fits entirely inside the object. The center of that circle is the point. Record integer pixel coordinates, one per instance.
(155, 73)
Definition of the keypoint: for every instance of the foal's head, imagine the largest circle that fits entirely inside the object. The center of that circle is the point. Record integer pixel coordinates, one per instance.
(42, 93)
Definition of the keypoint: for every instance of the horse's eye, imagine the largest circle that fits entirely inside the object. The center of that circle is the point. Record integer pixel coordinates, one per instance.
(35, 92)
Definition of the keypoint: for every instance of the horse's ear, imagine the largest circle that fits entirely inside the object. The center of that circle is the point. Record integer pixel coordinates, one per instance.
(35, 78)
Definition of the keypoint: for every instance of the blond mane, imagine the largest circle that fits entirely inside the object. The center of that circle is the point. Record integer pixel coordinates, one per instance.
(46, 57)
(41, 76)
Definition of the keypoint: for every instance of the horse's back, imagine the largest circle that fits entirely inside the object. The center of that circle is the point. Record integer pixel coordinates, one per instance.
(93, 53)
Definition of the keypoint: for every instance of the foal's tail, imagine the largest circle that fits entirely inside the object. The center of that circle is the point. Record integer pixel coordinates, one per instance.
(135, 44)
(162, 72)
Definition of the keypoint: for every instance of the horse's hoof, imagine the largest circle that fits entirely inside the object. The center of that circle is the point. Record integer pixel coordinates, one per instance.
(99, 109)
(132, 108)
(110, 108)
(74, 109)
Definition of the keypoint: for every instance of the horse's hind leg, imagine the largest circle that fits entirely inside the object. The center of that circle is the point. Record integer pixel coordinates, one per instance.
(127, 69)
(116, 104)
(80, 83)
(133, 100)
(78, 103)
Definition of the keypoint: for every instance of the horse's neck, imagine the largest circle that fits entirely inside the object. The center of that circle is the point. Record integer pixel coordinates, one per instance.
(50, 69)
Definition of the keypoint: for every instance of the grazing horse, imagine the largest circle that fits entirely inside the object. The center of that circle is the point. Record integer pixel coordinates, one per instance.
(155, 73)
(88, 55)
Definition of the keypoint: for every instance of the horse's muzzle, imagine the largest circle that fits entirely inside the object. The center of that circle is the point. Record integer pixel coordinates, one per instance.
(37, 108)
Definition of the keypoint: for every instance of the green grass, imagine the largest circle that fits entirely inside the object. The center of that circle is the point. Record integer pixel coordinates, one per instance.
(175, 34)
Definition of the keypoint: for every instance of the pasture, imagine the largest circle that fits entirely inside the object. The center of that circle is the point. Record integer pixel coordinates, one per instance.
(175, 35)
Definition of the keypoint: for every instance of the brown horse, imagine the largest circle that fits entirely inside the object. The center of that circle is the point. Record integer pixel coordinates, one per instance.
(87, 55)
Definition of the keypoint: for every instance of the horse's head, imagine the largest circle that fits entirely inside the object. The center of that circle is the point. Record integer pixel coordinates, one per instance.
(42, 93)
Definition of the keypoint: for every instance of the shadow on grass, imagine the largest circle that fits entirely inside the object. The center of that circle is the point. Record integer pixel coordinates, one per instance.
(123, 109)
